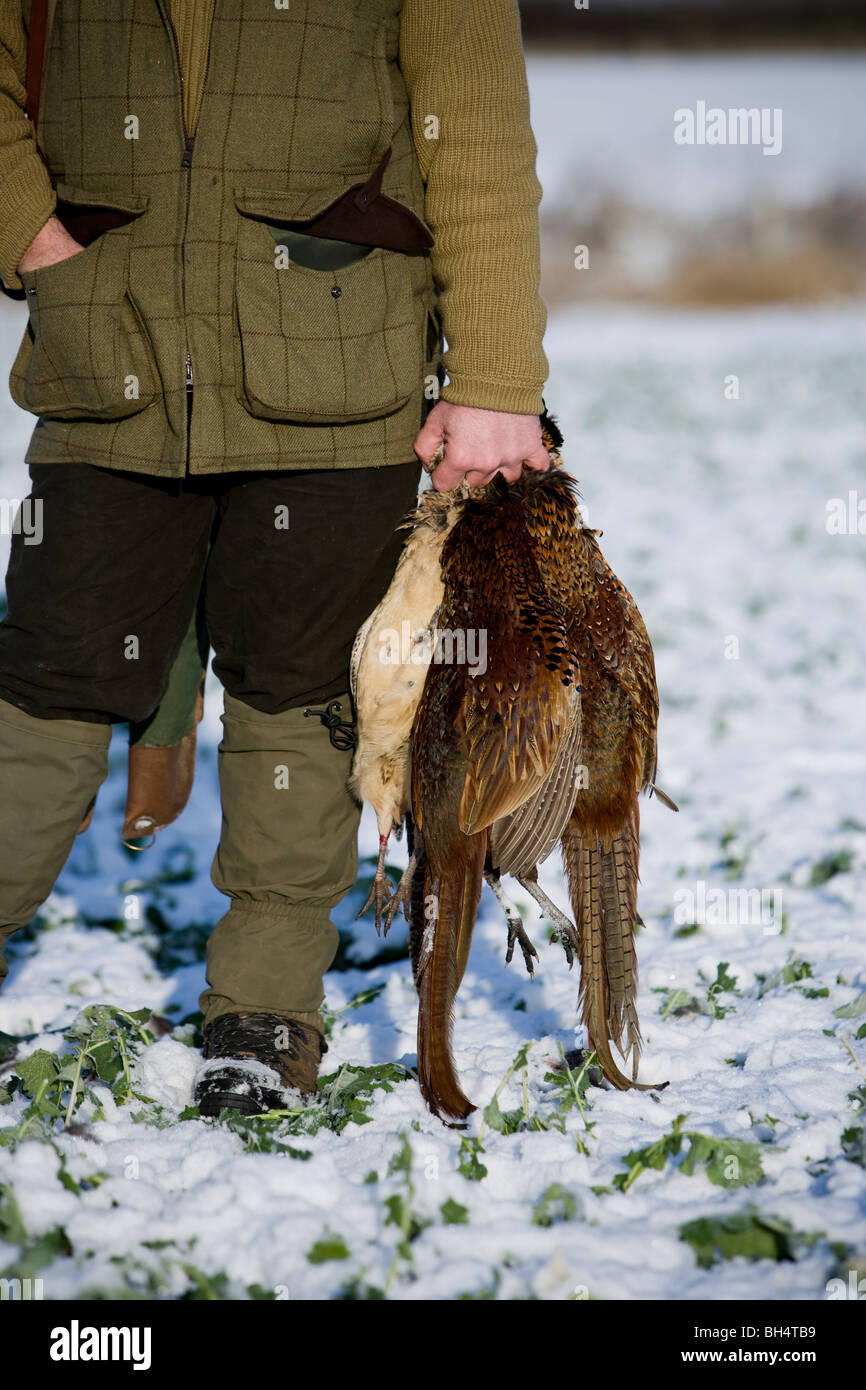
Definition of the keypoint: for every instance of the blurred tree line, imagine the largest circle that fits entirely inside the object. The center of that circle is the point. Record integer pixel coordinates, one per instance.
(674, 23)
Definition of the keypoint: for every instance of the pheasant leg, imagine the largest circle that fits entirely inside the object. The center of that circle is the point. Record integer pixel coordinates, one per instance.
(402, 897)
(563, 928)
(516, 929)
(381, 888)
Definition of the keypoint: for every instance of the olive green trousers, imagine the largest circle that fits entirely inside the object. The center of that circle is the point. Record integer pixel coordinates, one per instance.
(287, 852)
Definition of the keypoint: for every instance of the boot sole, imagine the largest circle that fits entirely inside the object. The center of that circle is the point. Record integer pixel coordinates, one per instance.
(212, 1104)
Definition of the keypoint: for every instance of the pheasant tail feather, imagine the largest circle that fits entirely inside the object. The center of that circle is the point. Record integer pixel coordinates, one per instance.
(602, 880)
(443, 938)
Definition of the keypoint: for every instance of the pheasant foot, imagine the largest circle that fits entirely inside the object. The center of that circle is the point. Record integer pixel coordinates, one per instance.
(381, 889)
(402, 896)
(516, 929)
(564, 930)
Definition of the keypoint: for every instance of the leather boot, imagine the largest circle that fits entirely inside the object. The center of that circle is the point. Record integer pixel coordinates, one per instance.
(257, 1062)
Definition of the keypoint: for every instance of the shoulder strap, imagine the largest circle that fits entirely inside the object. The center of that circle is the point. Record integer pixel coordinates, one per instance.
(41, 18)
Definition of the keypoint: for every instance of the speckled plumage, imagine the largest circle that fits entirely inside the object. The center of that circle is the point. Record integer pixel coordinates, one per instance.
(553, 744)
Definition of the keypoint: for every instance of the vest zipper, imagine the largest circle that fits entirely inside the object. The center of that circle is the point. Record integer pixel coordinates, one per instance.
(185, 163)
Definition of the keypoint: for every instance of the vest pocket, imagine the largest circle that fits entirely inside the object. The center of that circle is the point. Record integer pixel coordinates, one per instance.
(85, 353)
(322, 345)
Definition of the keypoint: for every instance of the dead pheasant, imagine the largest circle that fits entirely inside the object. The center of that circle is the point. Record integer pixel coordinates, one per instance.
(388, 665)
(550, 743)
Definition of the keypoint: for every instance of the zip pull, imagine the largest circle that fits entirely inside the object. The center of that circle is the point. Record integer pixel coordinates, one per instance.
(188, 142)
(188, 372)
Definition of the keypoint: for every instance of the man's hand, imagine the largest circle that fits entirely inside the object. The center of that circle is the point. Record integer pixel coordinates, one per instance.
(480, 443)
(52, 243)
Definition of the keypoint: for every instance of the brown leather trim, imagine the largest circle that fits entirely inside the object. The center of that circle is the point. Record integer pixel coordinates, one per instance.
(85, 824)
(368, 217)
(85, 223)
(36, 38)
(160, 781)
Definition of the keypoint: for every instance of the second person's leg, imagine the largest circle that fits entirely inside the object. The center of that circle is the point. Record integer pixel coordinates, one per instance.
(97, 607)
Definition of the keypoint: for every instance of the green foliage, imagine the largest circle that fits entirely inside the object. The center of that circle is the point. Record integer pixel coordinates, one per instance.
(679, 1003)
(858, 1100)
(468, 1161)
(453, 1214)
(572, 1087)
(726, 1162)
(855, 1009)
(735, 860)
(203, 1287)
(839, 862)
(747, 1234)
(12, 1228)
(854, 1144)
(357, 1289)
(400, 1206)
(176, 947)
(572, 1090)
(347, 1095)
(555, 1204)
(34, 1254)
(504, 1122)
(106, 1039)
(722, 984)
(401, 1215)
(790, 973)
(486, 1292)
(261, 1135)
(330, 1247)
(9, 1044)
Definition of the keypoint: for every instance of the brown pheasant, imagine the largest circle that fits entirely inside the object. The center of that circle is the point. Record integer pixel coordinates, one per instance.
(551, 744)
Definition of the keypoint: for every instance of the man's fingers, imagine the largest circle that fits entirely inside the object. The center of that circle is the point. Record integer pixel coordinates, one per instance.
(475, 478)
(454, 468)
(538, 460)
(447, 475)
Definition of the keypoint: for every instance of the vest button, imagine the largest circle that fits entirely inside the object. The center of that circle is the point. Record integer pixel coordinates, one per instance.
(336, 291)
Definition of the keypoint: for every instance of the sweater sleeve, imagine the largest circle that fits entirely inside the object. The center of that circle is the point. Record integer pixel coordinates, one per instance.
(463, 64)
(27, 197)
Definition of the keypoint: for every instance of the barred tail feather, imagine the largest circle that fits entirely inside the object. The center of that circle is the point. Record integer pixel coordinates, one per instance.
(602, 880)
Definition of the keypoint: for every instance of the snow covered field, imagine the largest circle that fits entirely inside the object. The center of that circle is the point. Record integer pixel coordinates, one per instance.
(753, 959)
